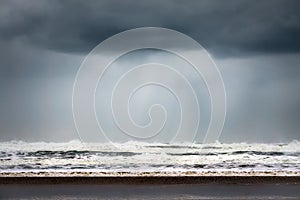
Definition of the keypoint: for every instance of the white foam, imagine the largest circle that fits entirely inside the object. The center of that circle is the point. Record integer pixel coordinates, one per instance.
(150, 157)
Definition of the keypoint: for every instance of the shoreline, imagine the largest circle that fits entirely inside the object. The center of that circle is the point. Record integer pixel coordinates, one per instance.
(151, 180)
(87, 173)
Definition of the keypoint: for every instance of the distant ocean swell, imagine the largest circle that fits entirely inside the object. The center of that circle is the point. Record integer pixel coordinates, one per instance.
(138, 158)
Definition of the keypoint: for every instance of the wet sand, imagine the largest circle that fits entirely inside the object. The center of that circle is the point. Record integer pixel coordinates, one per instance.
(150, 187)
(146, 180)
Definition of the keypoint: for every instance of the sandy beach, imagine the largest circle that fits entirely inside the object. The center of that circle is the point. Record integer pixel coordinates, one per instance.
(218, 187)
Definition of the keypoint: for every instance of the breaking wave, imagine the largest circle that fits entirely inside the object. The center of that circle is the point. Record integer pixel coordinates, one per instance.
(139, 157)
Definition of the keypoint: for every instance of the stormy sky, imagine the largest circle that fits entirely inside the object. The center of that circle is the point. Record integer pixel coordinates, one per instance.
(255, 44)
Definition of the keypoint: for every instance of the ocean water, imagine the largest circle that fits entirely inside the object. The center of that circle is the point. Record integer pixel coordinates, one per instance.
(148, 159)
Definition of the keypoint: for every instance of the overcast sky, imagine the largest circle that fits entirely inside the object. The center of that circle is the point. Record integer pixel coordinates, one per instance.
(255, 44)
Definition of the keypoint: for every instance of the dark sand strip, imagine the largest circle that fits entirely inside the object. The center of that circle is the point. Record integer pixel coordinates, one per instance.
(149, 191)
(294, 180)
(83, 188)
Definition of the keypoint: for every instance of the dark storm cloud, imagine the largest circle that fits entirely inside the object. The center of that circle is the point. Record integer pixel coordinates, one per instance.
(226, 28)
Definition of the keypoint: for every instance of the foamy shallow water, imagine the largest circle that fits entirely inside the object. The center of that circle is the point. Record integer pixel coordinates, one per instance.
(148, 159)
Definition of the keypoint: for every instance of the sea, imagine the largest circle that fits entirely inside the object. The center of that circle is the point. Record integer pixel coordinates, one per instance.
(74, 158)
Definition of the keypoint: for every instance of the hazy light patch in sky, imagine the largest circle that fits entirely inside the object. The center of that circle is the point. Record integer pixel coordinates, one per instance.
(150, 95)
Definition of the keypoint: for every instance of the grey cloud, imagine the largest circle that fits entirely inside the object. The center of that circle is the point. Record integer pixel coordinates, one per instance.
(255, 43)
(263, 98)
(226, 28)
